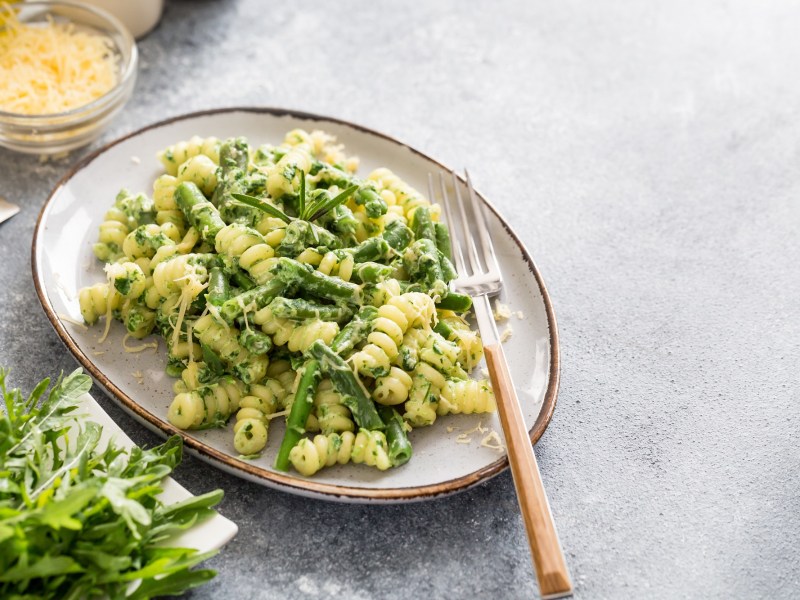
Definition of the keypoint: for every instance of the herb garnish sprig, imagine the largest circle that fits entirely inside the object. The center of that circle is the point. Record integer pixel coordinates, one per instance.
(80, 520)
(307, 211)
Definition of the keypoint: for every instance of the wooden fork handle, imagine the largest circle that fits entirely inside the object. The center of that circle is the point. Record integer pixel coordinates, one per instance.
(548, 558)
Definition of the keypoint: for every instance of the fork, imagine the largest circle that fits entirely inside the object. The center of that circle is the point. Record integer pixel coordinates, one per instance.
(479, 276)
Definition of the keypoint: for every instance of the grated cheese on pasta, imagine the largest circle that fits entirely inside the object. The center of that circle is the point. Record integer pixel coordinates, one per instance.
(53, 67)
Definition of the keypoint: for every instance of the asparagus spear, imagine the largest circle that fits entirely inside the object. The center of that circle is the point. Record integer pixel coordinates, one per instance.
(344, 381)
(201, 214)
(301, 408)
(396, 437)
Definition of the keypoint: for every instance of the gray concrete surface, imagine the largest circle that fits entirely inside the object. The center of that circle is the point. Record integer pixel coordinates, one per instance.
(649, 155)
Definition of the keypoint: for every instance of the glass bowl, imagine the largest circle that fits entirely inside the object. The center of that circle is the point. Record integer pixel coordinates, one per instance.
(60, 132)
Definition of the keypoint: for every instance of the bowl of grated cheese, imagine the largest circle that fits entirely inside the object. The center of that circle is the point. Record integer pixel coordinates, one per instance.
(66, 70)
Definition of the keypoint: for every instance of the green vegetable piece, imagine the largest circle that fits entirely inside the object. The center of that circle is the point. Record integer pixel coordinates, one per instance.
(255, 341)
(212, 360)
(315, 283)
(372, 272)
(243, 280)
(455, 302)
(421, 224)
(251, 300)
(233, 158)
(355, 331)
(396, 437)
(219, 290)
(371, 249)
(199, 212)
(371, 200)
(344, 381)
(397, 235)
(299, 309)
(421, 262)
(442, 234)
(301, 409)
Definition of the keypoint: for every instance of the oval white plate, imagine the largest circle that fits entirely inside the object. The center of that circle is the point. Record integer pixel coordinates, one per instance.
(442, 463)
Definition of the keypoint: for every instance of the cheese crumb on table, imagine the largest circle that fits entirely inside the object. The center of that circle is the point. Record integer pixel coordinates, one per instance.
(507, 333)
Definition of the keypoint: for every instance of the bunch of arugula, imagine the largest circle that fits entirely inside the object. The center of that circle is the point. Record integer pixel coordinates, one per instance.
(78, 520)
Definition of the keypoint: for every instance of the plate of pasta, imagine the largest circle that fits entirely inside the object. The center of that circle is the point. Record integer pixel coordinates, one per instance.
(274, 287)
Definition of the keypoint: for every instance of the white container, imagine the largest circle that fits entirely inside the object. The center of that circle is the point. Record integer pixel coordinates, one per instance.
(139, 17)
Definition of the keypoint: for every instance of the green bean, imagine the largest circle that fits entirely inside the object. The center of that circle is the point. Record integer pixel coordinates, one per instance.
(371, 200)
(201, 214)
(396, 437)
(355, 331)
(344, 381)
(375, 248)
(301, 408)
(243, 280)
(421, 224)
(233, 158)
(372, 272)
(397, 235)
(421, 262)
(299, 309)
(455, 302)
(219, 290)
(315, 283)
(255, 341)
(251, 300)
(442, 234)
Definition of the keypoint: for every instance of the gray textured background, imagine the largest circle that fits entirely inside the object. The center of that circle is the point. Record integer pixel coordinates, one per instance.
(649, 155)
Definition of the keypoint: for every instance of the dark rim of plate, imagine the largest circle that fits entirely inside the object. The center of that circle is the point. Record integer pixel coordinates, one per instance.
(272, 478)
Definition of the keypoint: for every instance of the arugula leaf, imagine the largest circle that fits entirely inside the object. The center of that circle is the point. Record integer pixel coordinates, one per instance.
(79, 520)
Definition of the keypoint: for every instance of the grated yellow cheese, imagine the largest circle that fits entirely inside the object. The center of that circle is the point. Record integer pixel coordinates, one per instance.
(50, 68)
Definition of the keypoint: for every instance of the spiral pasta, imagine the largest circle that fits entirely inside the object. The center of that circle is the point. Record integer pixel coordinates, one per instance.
(206, 406)
(174, 156)
(332, 415)
(466, 396)
(247, 248)
(146, 239)
(404, 195)
(97, 300)
(283, 178)
(223, 340)
(200, 170)
(251, 431)
(367, 447)
(394, 318)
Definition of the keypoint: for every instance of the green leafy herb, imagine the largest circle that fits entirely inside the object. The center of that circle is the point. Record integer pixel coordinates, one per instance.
(81, 520)
(307, 211)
